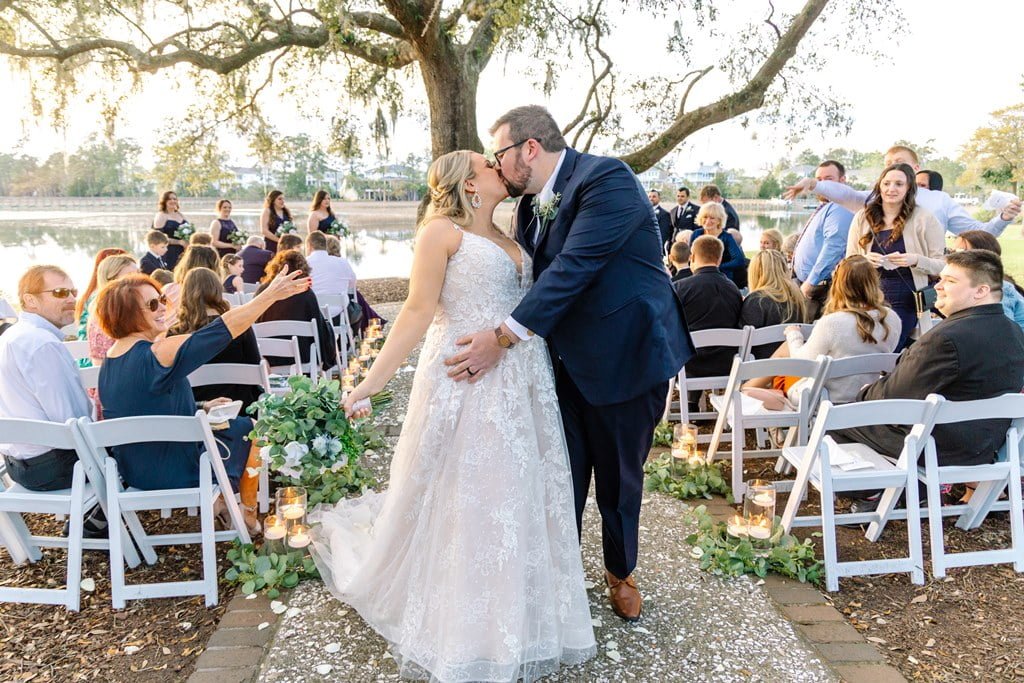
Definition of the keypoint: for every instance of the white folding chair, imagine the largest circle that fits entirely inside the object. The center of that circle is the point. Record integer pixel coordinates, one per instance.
(213, 481)
(87, 490)
(738, 339)
(281, 348)
(90, 377)
(244, 374)
(250, 288)
(79, 348)
(992, 480)
(296, 329)
(343, 330)
(233, 298)
(731, 411)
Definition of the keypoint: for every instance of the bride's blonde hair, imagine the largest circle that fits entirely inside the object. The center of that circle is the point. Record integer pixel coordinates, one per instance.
(446, 179)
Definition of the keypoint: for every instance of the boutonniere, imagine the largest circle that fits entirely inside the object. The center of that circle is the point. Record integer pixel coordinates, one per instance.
(545, 212)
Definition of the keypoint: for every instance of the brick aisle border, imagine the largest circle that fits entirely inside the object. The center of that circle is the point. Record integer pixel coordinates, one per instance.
(235, 650)
(821, 625)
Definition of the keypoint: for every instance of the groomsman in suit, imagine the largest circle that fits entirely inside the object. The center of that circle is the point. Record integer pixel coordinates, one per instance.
(602, 301)
(664, 221)
(684, 215)
(153, 259)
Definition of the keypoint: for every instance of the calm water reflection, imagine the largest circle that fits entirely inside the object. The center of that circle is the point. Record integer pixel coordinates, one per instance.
(380, 247)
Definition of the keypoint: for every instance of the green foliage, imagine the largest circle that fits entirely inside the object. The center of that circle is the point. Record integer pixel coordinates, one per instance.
(310, 442)
(724, 555)
(260, 570)
(769, 188)
(691, 481)
(663, 434)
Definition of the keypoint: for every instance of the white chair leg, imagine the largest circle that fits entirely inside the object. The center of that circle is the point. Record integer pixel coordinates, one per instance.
(828, 531)
(935, 514)
(165, 513)
(1016, 517)
(886, 504)
(209, 541)
(73, 592)
(11, 525)
(131, 520)
(738, 434)
(117, 585)
(263, 492)
(913, 526)
(986, 493)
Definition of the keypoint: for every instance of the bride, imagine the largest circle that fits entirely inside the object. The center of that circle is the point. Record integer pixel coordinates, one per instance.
(469, 564)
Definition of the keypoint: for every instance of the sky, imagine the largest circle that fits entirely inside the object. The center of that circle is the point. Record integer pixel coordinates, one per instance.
(951, 66)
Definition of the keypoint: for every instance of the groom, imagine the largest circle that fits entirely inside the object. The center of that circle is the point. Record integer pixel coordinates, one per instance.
(602, 300)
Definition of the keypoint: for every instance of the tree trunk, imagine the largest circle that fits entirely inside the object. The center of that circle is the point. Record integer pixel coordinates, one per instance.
(451, 94)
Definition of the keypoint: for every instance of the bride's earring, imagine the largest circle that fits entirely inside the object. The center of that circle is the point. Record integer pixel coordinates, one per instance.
(476, 202)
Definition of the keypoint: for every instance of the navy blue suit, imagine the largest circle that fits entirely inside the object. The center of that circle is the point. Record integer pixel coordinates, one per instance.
(603, 302)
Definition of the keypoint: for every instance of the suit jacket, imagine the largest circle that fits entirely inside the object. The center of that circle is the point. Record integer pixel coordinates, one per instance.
(710, 300)
(732, 219)
(254, 263)
(683, 217)
(664, 224)
(148, 263)
(601, 296)
(973, 354)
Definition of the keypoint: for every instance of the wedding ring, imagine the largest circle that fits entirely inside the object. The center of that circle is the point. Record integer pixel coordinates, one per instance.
(470, 371)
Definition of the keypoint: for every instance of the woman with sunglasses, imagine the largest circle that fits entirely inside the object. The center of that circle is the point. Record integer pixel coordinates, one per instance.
(147, 374)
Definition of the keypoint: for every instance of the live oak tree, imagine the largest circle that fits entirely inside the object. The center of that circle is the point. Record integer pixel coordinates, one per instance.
(995, 153)
(447, 45)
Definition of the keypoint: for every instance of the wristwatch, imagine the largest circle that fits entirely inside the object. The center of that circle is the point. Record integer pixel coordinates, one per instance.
(504, 341)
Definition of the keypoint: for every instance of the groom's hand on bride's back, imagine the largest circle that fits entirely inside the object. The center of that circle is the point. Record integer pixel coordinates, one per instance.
(479, 352)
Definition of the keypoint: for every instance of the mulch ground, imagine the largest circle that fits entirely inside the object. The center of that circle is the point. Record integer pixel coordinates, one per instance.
(48, 643)
(967, 626)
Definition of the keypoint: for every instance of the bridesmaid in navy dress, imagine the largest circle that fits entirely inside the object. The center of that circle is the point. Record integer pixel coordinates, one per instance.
(275, 213)
(167, 220)
(146, 373)
(222, 227)
(321, 216)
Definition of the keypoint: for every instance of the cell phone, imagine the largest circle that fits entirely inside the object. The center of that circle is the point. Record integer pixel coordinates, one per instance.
(222, 414)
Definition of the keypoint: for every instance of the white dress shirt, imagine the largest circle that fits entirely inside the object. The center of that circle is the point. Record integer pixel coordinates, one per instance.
(546, 194)
(38, 379)
(952, 216)
(331, 275)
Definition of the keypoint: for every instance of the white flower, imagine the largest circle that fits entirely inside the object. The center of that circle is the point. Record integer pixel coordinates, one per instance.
(338, 465)
(294, 452)
(320, 444)
(294, 473)
(334, 446)
(546, 210)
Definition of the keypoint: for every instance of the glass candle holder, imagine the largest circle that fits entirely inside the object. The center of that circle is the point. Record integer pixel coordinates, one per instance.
(684, 446)
(298, 537)
(759, 509)
(291, 504)
(736, 526)
(274, 531)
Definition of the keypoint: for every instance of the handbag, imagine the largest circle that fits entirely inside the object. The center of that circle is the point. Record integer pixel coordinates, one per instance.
(354, 312)
(925, 298)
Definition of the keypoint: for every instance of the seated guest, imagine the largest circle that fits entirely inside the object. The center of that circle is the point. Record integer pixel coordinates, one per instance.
(710, 218)
(40, 377)
(710, 300)
(202, 239)
(289, 241)
(231, 267)
(774, 298)
(368, 314)
(711, 193)
(771, 239)
(333, 245)
(153, 259)
(334, 274)
(202, 302)
(856, 321)
(85, 301)
(162, 276)
(145, 374)
(679, 260)
(110, 269)
(254, 260)
(685, 235)
(1013, 294)
(195, 256)
(301, 306)
(975, 353)
(789, 247)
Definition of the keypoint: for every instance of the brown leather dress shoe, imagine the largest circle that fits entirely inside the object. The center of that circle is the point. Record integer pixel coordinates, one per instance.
(625, 597)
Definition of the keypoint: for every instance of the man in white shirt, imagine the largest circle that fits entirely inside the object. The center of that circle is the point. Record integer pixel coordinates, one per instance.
(331, 274)
(40, 377)
(951, 215)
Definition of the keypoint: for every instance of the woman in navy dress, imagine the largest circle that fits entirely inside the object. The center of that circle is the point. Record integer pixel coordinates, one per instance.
(145, 374)
(321, 216)
(167, 220)
(221, 229)
(275, 213)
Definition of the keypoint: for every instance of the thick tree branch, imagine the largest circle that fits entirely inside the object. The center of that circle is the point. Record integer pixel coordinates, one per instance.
(374, 21)
(749, 97)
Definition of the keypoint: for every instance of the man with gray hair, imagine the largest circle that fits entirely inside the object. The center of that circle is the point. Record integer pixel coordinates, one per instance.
(602, 301)
(254, 259)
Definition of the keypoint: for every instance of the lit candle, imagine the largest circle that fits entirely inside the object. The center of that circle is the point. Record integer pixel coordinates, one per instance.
(293, 510)
(299, 537)
(736, 526)
(273, 530)
(760, 528)
(764, 499)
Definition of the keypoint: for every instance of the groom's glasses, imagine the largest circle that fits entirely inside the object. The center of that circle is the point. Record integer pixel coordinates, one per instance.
(501, 152)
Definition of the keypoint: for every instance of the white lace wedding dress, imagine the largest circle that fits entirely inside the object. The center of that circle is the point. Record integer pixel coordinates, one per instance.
(469, 563)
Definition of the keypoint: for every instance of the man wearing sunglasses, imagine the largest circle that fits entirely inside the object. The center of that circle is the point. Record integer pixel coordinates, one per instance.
(602, 301)
(40, 377)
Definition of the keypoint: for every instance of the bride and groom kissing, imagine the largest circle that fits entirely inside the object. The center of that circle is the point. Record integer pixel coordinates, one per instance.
(545, 364)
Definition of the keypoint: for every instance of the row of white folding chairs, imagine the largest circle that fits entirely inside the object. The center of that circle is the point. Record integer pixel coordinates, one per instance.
(238, 298)
(96, 480)
(820, 464)
(269, 333)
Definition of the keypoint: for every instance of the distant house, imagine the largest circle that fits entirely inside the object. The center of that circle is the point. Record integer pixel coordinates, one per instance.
(393, 182)
(704, 174)
(249, 175)
(657, 178)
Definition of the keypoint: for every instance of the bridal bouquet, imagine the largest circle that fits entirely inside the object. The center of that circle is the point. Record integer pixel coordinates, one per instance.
(287, 228)
(184, 231)
(238, 238)
(338, 227)
(307, 440)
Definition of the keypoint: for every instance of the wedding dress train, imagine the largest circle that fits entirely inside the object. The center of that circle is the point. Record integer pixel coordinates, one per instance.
(469, 563)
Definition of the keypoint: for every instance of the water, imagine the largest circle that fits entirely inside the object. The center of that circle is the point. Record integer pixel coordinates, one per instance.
(69, 232)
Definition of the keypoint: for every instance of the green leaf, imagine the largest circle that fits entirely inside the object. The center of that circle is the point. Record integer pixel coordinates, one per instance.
(273, 593)
(249, 587)
(290, 580)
